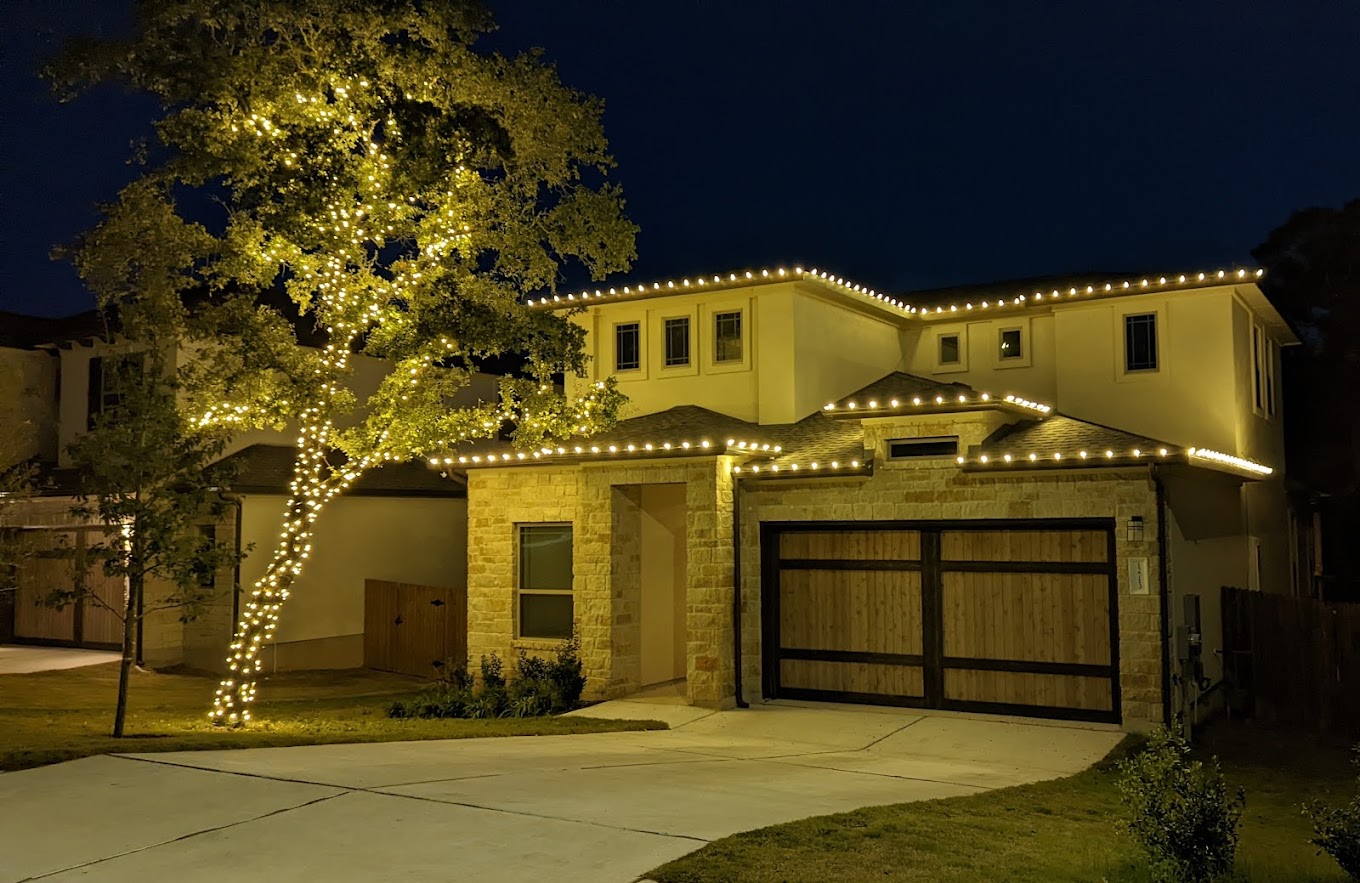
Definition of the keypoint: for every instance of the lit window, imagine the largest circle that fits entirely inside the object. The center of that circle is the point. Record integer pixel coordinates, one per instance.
(545, 599)
(949, 349)
(627, 347)
(1140, 342)
(677, 342)
(915, 448)
(1010, 344)
(727, 337)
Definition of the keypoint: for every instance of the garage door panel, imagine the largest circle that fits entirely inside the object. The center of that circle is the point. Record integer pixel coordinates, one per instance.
(874, 679)
(871, 545)
(1048, 617)
(1025, 545)
(1010, 617)
(1028, 688)
(860, 611)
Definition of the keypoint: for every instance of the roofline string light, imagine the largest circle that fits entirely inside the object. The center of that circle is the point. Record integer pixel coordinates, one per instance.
(788, 470)
(1230, 460)
(645, 449)
(730, 280)
(939, 400)
(1098, 456)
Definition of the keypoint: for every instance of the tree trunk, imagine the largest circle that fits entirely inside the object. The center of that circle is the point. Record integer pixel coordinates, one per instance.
(314, 483)
(135, 586)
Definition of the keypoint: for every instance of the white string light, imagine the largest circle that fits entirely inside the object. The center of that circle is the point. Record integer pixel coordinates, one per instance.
(607, 450)
(789, 470)
(1229, 460)
(746, 278)
(937, 401)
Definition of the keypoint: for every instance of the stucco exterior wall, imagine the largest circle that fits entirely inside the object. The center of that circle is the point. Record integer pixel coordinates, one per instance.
(402, 539)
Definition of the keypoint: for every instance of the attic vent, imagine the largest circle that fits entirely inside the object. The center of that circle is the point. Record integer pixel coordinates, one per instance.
(913, 448)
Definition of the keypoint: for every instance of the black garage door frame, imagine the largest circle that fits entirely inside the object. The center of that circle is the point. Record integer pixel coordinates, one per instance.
(932, 660)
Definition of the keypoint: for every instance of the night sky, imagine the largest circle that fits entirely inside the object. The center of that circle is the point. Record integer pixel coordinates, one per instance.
(905, 145)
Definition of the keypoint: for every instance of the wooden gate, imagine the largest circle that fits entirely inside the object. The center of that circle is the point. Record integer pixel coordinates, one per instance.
(1006, 617)
(412, 629)
(57, 559)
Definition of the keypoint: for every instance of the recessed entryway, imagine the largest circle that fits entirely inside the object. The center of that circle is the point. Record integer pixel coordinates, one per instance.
(648, 574)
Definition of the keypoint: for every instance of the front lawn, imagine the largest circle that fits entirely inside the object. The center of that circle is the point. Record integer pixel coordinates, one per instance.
(53, 716)
(1051, 831)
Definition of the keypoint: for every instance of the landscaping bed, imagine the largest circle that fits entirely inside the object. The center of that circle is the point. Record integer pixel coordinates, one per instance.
(48, 717)
(1063, 830)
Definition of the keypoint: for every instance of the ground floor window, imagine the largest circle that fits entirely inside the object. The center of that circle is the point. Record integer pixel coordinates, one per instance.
(544, 583)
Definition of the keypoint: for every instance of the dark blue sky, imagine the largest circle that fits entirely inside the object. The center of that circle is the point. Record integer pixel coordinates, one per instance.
(904, 144)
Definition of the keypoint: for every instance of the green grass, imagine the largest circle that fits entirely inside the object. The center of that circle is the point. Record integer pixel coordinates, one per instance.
(1063, 830)
(48, 717)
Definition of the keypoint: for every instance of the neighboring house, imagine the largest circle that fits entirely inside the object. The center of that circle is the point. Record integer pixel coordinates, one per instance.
(401, 523)
(1003, 499)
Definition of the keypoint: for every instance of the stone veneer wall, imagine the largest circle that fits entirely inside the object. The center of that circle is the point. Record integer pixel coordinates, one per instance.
(593, 498)
(938, 489)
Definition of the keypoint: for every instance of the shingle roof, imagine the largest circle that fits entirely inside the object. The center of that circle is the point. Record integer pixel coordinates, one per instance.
(269, 468)
(1066, 435)
(902, 386)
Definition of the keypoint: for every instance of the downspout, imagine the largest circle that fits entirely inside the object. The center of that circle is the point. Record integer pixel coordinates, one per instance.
(736, 587)
(1164, 592)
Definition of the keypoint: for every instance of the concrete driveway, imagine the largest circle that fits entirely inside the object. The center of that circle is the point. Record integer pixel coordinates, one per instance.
(600, 807)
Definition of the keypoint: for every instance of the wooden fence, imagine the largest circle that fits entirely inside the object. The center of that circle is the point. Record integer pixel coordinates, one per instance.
(1299, 658)
(413, 629)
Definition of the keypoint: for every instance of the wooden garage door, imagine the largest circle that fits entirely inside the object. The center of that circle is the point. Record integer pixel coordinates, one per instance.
(1006, 617)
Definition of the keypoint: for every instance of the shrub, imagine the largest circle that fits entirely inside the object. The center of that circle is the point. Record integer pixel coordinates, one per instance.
(1181, 811)
(493, 672)
(1336, 830)
(541, 686)
(566, 673)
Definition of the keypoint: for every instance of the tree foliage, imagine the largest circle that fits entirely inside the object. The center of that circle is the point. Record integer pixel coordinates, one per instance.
(1313, 278)
(150, 477)
(402, 188)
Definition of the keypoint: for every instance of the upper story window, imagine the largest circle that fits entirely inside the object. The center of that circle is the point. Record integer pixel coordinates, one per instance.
(1011, 345)
(675, 334)
(950, 351)
(627, 346)
(726, 337)
(1140, 342)
(1263, 352)
(916, 448)
(108, 380)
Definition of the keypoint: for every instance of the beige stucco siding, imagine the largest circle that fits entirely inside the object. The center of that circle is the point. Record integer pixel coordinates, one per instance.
(402, 539)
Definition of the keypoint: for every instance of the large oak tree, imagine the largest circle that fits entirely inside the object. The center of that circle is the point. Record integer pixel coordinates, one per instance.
(405, 190)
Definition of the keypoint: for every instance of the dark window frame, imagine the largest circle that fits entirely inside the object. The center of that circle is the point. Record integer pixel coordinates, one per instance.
(671, 358)
(1019, 353)
(900, 449)
(957, 338)
(1134, 361)
(722, 354)
(620, 329)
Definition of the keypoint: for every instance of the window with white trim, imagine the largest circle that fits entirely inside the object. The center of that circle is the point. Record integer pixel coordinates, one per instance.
(1264, 389)
(627, 346)
(675, 338)
(545, 604)
(727, 336)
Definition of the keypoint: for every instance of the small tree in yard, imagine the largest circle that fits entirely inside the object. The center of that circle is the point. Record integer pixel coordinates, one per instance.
(149, 477)
(1180, 811)
(407, 192)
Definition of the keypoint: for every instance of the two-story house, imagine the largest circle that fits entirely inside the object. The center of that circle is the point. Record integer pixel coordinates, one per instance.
(1003, 499)
(401, 523)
